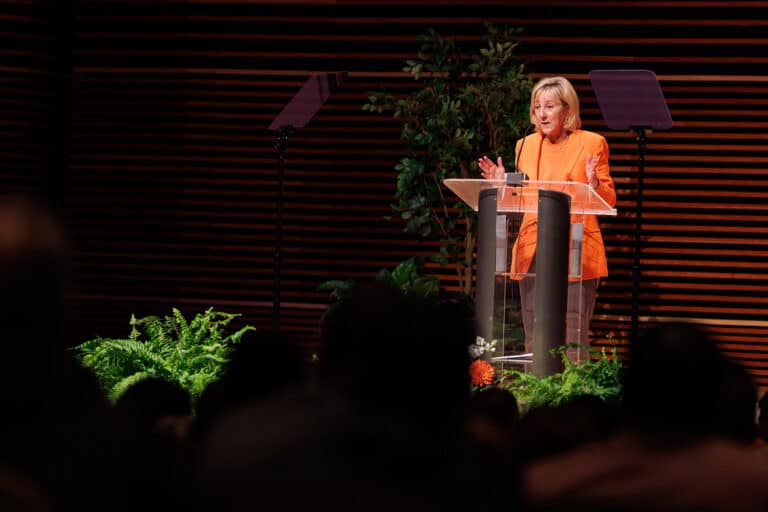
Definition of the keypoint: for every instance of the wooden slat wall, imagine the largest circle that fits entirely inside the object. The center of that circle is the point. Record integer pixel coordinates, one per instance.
(33, 110)
(173, 174)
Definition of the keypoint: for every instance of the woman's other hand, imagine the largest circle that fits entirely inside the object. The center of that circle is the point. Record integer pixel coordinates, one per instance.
(592, 180)
(491, 170)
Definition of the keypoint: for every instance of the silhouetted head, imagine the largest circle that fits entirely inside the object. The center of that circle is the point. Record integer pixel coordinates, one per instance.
(34, 269)
(388, 350)
(492, 418)
(677, 382)
(555, 429)
(261, 366)
(152, 399)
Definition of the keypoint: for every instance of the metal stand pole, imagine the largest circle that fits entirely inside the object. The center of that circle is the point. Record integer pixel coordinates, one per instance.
(281, 143)
(638, 231)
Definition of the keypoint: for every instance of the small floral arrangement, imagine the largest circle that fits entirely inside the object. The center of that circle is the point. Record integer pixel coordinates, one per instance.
(481, 347)
(481, 371)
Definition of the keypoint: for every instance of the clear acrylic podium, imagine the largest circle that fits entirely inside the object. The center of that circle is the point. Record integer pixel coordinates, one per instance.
(502, 208)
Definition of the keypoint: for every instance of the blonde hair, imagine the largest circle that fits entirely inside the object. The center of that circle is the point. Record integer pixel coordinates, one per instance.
(566, 94)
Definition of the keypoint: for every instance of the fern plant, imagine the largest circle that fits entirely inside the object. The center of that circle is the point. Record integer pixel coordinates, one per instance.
(191, 353)
(599, 376)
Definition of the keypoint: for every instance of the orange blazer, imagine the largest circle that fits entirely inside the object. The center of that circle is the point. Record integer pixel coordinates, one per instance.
(574, 168)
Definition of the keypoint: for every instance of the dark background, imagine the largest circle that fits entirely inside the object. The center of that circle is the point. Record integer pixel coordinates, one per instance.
(145, 123)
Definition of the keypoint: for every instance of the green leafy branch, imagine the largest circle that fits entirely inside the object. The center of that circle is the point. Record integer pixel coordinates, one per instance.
(466, 105)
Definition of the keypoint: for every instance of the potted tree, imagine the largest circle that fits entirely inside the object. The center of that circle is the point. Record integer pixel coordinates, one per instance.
(466, 105)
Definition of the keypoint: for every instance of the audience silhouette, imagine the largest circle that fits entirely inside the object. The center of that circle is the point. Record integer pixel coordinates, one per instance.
(59, 435)
(385, 422)
(554, 429)
(492, 419)
(381, 426)
(260, 366)
(674, 449)
(156, 417)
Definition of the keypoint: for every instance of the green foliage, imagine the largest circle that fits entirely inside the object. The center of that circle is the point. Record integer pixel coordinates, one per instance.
(467, 105)
(191, 353)
(409, 276)
(598, 376)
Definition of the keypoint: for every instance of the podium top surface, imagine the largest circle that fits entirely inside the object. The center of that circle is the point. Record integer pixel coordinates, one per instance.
(524, 198)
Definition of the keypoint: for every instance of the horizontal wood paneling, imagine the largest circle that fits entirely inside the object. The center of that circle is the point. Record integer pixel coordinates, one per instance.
(33, 109)
(171, 189)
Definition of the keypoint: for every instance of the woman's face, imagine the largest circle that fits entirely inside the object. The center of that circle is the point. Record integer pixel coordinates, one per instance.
(550, 115)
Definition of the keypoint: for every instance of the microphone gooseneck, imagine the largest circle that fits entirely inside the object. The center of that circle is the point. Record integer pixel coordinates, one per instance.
(525, 135)
(516, 177)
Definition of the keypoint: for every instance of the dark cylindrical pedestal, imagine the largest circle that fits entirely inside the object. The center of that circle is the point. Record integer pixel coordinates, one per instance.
(551, 280)
(486, 263)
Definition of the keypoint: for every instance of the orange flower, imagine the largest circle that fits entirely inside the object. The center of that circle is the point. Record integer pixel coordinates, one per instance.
(481, 372)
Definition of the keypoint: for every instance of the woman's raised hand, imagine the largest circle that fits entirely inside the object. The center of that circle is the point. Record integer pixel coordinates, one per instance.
(490, 170)
(592, 161)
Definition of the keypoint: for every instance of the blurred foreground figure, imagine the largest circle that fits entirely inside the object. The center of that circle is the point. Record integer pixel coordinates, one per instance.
(379, 428)
(34, 264)
(57, 433)
(685, 442)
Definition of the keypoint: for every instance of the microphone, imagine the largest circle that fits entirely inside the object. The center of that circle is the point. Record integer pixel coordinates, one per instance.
(525, 134)
(516, 177)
